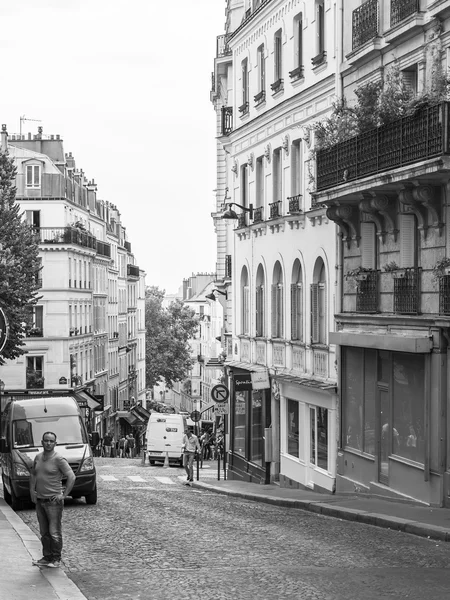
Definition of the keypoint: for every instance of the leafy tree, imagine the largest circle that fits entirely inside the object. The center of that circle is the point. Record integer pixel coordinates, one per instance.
(19, 263)
(168, 354)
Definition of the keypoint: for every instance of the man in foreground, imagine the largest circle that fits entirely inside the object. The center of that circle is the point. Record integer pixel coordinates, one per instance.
(46, 490)
(191, 446)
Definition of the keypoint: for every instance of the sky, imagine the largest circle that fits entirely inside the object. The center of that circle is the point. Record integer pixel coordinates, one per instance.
(127, 86)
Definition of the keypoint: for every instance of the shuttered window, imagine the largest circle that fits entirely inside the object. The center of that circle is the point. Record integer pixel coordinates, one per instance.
(260, 312)
(314, 313)
(407, 240)
(296, 311)
(277, 310)
(245, 309)
(368, 246)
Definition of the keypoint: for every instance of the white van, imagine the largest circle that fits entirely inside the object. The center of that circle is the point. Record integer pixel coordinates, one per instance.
(165, 435)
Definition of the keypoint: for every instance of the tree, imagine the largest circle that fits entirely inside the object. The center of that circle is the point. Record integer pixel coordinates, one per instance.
(19, 263)
(168, 354)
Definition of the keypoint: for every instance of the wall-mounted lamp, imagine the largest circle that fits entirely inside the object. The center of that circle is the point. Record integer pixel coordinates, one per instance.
(212, 297)
(231, 214)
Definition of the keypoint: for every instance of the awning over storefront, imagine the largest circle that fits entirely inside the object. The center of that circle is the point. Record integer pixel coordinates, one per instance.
(85, 399)
(140, 413)
(127, 416)
(382, 341)
(306, 382)
(246, 366)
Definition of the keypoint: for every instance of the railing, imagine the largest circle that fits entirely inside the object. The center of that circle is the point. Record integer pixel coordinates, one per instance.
(228, 264)
(67, 235)
(275, 209)
(444, 295)
(222, 46)
(103, 249)
(258, 214)
(400, 9)
(132, 270)
(407, 291)
(35, 332)
(227, 120)
(294, 203)
(367, 293)
(320, 363)
(404, 141)
(365, 23)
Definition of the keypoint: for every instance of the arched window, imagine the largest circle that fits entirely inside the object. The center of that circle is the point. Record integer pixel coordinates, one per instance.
(245, 302)
(277, 302)
(260, 303)
(297, 302)
(319, 305)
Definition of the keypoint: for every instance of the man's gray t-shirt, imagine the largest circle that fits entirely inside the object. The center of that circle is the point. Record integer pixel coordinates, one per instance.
(49, 474)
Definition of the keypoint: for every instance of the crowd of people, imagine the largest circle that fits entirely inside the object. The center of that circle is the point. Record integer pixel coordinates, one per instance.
(125, 446)
(211, 444)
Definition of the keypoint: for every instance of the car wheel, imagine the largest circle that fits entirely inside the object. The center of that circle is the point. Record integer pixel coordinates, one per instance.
(92, 497)
(6, 494)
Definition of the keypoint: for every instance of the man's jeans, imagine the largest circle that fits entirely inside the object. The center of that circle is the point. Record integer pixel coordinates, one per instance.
(49, 515)
(189, 464)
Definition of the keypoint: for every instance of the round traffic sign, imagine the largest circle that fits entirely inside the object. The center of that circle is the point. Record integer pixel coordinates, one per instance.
(196, 415)
(220, 393)
(3, 329)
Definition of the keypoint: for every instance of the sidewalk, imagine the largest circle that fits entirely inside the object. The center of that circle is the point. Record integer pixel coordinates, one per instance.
(19, 580)
(401, 516)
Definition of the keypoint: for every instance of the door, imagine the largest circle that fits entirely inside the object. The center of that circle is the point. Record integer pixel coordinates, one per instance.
(385, 435)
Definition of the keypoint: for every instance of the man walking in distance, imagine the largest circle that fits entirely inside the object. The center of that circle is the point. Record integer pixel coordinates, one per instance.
(191, 446)
(46, 490)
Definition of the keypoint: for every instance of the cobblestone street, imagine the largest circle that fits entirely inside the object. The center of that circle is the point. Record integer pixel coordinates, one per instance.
(151, 537)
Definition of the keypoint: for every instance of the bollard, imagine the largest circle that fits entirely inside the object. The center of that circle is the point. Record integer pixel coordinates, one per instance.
(166, 461)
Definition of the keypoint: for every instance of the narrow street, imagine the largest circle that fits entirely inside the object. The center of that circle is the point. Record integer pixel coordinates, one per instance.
(151, 537)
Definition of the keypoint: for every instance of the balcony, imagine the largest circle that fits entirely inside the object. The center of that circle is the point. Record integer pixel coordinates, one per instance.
(67, 235)
(407, 291)
(228, 264)
(103, 249)
(444, 295)
(227, 120)
(35, 332)
(294, 204)
(258, 214)
(367, 292)
(365, 21)
(222, 46)
(132, 271)
(275, 209)
(400, 9)
(405, 141)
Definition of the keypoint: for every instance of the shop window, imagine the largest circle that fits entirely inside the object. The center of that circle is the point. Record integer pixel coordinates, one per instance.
(257, 427)
(319, 437)
(293, 428)
(239, 423)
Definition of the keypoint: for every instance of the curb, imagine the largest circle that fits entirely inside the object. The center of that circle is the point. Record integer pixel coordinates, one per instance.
(433, 532)
(63, 587)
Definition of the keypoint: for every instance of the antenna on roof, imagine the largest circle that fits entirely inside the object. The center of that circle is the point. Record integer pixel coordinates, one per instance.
(24, 118)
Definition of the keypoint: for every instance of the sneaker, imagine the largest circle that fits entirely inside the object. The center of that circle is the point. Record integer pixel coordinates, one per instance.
(54, 564)
(191, 480)
(42, 562)
(187, 483)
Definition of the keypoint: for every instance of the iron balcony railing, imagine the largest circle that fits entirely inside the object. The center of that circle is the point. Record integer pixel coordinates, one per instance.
(295, 203)
(365, 21)
(103, 249)
(227, 120)
(367, 292)
(407, 291)
(405, 141)
(275, 209)
(400, 9)
(132, 270)
(444, 295)
(222, 46)
(228, 264)
(67, 235)
(258, 214)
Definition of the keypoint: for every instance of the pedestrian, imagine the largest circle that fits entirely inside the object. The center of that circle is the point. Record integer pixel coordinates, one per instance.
(190, 447)
(107, 441)
(47, 493)
(122, 443)
(205, 442)
(130, 445)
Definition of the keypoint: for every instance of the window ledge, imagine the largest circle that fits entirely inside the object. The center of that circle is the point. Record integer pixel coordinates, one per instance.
(366, 51)
(405, 28)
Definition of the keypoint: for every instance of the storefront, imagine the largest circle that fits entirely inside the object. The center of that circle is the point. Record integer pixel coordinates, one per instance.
(307, 432)
(249, 419)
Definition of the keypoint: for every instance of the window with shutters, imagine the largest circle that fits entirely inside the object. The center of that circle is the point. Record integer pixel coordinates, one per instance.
(407, 241)
(33, 176)
(297, 303)
(409, 78)
(260, 303)
(368, 246)
(277, 303)
(319, 305)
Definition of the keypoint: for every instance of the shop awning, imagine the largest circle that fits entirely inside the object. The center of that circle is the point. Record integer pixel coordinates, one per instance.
(84, 398)
(140, 413)
(383, 341)
(306, 382)
(246, 366)
(127, 416)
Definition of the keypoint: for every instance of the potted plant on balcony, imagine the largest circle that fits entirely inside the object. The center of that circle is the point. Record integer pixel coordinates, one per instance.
(393, 268)
(441, 268)
(358, 274)
(35, 332)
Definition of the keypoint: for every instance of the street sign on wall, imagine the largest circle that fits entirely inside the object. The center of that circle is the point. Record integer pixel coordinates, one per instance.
(3, 329)
(220, 393)
(221, 409)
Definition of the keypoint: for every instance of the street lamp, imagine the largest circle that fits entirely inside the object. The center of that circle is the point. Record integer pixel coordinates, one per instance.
(231, 214)
(212, 297)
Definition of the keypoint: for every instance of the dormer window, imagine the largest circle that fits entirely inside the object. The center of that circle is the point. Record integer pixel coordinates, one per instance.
(33, 176)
